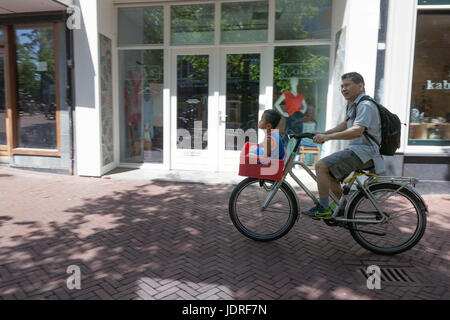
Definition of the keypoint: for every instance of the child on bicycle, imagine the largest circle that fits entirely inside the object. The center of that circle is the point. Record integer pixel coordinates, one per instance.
(272, 146)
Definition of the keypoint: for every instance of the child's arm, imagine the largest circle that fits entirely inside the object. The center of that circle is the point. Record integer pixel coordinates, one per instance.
(269, 144)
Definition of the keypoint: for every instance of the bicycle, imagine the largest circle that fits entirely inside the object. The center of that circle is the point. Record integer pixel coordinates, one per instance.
(385, 214)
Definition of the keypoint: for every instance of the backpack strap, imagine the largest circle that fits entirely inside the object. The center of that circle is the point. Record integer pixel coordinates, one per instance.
(368, 135)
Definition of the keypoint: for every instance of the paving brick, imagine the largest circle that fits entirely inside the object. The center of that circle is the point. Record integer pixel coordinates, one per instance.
(166, 240)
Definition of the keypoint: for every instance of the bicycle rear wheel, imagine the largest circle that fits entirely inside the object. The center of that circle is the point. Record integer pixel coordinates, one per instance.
(404, 228)
(271, 224)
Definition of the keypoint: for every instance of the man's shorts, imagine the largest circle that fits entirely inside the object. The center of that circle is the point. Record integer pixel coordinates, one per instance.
(342, 163)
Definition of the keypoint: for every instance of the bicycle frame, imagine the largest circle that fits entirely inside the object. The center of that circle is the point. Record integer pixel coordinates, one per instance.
(361, 186)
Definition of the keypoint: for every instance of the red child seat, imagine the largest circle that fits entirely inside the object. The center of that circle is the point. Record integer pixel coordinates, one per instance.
(255, 166)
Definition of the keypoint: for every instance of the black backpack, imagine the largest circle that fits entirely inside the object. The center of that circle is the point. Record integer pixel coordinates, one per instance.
(390, 129)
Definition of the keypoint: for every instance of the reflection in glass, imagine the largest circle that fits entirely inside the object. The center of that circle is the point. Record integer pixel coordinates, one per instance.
(306, 67)
(192, 101)
(192, 24)
(242, 104)
(141, 25)
(141, 105)
(303, 19)
(35, 50)
(2, 102)
(430, 100)
(2, 35)
(244, 22)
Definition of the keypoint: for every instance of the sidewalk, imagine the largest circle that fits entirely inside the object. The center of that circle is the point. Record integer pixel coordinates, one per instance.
(137, 239)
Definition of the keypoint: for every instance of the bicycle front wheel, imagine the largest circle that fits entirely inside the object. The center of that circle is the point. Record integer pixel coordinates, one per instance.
(274, 222)
(402, 230)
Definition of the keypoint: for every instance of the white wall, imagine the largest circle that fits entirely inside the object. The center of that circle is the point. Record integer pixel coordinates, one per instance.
(106, 17)
(399, 61)
(87, 109)
(361, 21)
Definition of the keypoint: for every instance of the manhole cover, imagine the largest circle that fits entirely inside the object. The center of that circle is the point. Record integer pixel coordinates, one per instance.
(395, 275)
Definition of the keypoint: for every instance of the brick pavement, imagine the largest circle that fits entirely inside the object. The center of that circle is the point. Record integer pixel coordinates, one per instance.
(162, 240)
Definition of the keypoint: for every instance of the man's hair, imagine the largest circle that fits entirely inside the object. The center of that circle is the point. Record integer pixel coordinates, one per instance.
(272, 117)
(354, 76)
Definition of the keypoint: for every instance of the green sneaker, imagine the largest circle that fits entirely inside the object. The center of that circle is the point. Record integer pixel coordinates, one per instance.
(341, 211)
(318, 212)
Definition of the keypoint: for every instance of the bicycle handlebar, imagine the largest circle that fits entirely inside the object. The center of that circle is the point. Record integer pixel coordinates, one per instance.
(308, 135)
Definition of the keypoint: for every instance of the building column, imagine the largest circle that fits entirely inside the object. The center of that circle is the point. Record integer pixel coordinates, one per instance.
(87, 102)
(355, 35)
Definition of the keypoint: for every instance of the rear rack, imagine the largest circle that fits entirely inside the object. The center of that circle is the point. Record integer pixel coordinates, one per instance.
(403, 181)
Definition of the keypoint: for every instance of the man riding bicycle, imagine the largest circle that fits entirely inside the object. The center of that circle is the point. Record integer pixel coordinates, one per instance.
(362, 153)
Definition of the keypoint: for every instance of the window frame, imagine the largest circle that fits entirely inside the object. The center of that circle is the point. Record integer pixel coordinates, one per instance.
(269, 47)
(13, 99)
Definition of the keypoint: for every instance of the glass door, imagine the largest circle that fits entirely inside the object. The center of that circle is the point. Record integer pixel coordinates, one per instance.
(242, 102)
(194, 104)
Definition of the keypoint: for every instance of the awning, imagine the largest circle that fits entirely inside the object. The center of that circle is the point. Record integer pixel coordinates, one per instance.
(28, 6)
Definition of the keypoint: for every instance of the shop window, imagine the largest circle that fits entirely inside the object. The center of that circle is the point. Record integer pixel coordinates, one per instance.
(192, 100)
(141, 105)
(303, 19)
(192, 24)
(36, 88)
(244, 22)
(430, 101)
(300, 87)
(141, 25)
(242, 97)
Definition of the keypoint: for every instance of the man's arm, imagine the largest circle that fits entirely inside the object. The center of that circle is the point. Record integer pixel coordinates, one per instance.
(339, 128)
(354, 132)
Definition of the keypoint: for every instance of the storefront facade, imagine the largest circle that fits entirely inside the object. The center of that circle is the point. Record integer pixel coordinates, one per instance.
(181, 85)
(34, 86)
(190, 80)
(224, 66)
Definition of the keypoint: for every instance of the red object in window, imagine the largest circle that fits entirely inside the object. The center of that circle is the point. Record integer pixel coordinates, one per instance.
(293, 103)
(254, 166)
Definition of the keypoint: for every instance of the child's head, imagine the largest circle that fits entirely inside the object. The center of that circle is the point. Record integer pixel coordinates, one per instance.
(269, 120)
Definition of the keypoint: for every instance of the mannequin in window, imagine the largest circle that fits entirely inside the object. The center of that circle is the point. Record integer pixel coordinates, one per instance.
(296, 108)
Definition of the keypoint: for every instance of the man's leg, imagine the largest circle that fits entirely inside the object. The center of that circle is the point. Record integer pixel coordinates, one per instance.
(339, 164)
(325, 181)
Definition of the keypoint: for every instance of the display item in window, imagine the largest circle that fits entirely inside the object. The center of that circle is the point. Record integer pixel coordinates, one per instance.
(296, 108)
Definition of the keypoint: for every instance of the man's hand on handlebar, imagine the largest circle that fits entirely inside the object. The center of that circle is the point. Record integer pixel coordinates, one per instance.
(320, 138)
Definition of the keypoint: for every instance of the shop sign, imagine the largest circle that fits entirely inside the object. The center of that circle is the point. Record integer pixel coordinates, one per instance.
(444, 85)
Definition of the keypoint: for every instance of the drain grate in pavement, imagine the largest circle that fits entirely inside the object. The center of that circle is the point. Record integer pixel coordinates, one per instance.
(395, 275)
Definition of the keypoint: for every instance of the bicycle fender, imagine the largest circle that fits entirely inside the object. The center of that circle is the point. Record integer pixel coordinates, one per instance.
(414, 192)
(419, 197)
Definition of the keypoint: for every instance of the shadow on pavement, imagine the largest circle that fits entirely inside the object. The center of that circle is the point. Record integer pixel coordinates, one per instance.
(164, 240)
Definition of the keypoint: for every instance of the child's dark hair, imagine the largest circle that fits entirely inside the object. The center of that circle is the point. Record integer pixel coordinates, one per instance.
(272, 117)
